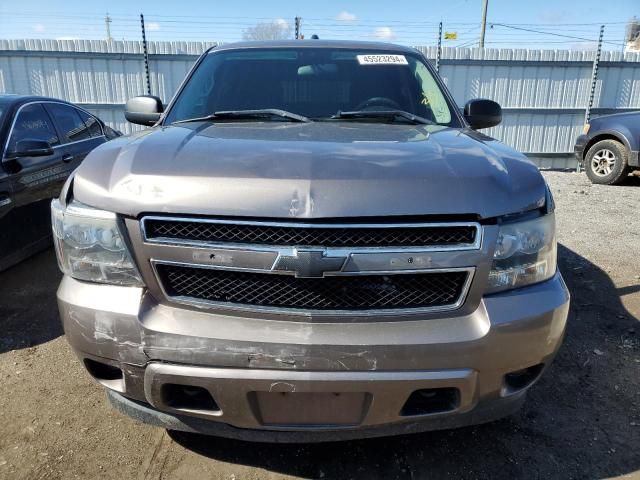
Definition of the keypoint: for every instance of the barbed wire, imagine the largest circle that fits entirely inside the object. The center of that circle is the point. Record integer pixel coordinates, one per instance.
(229, 28)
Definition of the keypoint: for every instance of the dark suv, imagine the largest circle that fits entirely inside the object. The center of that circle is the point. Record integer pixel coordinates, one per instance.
(608, 147)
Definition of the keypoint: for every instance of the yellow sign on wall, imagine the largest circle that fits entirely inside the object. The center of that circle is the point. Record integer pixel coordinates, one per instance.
(450, 35)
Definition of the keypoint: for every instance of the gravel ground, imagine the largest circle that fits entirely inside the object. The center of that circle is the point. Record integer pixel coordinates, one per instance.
(582, 420)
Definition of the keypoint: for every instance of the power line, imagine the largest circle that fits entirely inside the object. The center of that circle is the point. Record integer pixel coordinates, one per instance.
(544, 33)
(207, 27)
(132, 16)
(126, 15)
(564, 24)
(468, 44)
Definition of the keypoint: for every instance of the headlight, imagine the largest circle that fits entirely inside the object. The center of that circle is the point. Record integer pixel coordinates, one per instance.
(525, 254)
(89, 245)
(585, 128)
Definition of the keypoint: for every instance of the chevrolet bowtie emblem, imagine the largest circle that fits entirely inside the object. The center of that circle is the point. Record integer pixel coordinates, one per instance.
(309, 263)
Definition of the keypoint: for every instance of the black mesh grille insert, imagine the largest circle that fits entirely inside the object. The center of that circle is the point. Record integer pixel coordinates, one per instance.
(365, 292)
(351, 236)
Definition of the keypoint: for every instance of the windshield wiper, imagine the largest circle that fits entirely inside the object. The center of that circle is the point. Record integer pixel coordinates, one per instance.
(248, 114)
(390, 114)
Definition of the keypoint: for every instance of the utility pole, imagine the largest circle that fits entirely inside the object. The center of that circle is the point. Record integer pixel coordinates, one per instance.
(483, 27)
(146, 55)
(297, 29)
(107, 23)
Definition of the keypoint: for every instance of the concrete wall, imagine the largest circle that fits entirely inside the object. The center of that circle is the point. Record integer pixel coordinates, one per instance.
(543, 92)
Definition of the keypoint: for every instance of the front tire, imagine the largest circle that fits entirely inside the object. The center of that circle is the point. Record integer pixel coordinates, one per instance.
(607, 162)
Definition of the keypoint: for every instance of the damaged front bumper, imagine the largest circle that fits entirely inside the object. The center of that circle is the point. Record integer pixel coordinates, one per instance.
(276, 380)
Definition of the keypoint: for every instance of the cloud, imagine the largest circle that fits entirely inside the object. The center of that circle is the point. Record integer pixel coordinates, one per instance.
(384, 33)
(345, 16)
(38, 27)
(281, 22)
(152, 26)
(277, 29)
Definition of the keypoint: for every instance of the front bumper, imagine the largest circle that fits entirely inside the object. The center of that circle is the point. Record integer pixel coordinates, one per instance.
(578, 148)
(282, 380)
(483, 413)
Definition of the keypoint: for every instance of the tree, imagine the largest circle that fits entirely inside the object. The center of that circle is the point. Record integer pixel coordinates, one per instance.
(276, 30)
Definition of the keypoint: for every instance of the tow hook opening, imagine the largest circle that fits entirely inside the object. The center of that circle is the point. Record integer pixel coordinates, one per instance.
(188, 397)
(102, 371)
(431, 400)
(107, 375)
(521, 379)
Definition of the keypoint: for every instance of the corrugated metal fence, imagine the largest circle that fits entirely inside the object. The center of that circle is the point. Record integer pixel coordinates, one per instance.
(544, 93)
(99, 75)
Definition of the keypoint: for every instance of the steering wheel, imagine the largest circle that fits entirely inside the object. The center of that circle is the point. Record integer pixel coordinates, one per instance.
(378, 102)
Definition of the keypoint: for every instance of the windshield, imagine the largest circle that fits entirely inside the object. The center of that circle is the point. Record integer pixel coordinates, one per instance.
(317, 83)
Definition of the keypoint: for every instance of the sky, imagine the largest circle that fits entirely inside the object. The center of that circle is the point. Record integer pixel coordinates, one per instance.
(559, 24)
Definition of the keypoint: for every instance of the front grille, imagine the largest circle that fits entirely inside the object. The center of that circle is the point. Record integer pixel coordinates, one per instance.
(321, 235)
(359, 292)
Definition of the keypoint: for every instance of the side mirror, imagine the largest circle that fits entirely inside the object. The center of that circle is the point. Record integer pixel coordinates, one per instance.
(31, 148)
(482, 113)
(144, 110)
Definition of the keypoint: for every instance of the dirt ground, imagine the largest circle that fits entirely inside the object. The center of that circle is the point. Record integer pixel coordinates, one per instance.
(582, 420)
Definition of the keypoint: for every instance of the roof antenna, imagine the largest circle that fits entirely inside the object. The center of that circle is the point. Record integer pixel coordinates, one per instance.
(315, 37)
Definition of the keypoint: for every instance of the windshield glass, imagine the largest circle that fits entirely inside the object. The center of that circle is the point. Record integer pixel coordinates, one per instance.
(313, 82)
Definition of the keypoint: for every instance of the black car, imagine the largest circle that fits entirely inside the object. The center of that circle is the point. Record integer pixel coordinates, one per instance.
(42, 141)
(608, 147)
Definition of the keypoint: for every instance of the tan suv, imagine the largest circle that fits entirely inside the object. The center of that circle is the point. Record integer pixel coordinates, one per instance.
(311, 243)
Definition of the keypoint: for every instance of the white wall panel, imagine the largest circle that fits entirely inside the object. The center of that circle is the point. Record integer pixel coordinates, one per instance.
(543, 92)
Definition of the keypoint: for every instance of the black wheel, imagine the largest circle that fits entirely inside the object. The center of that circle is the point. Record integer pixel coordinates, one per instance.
(607, 162)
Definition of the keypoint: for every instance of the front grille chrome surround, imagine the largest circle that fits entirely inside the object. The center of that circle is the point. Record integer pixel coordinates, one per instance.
(337, 292)
(361, 237)
(461, 294)
(283, 272)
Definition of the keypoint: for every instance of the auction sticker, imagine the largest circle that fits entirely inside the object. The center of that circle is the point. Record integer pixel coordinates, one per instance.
(382, 60)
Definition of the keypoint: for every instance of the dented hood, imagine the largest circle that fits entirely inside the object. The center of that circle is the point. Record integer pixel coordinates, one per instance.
(308, 170)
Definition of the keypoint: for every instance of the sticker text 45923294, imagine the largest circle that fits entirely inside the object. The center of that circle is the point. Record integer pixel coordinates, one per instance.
(382, 59)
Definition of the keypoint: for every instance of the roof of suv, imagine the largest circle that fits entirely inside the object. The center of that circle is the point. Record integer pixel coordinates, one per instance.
(353, 44)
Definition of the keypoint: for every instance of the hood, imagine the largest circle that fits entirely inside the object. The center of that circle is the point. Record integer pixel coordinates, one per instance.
(308, 170)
